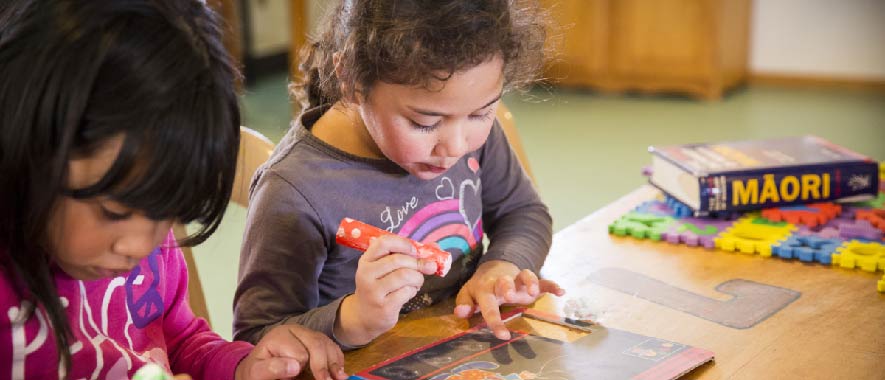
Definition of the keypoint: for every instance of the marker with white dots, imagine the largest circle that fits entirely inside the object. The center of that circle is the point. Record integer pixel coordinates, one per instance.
(358, 235)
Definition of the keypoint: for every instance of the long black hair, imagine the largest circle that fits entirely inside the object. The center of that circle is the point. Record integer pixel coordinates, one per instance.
(74, 74)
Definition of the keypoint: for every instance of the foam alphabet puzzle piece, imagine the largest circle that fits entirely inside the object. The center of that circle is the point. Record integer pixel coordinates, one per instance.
(810, 215)
(825, 231)
(753, 234)
(876, 217)
(878, 202)
(696, 231)
(655, 207)
(859, 229)
(680, 209)
(807, 248)
(868, 256)
(881, 285)
(640, 225)
(664, 206)
(669, 206)
(845, 229)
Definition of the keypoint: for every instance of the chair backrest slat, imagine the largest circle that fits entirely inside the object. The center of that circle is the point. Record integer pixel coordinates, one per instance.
(255, 149)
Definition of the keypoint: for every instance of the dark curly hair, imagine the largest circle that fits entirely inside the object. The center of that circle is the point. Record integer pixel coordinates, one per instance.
(415, 42)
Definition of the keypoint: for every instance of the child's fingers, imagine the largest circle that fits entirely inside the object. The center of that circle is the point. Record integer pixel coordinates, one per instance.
(386, 245)
(505, 289)
(336, 361)
(464, 304)
(274, 368)
(491, 313)
(400, 296)
(375, 287)
(399, 278)
(528, 281)
(320, 363)
(396, 261)
(548, 286)
(288, 341)
(306, 348)
(427, 267)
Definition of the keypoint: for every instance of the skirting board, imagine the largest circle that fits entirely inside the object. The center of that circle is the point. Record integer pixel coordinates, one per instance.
(817, 81)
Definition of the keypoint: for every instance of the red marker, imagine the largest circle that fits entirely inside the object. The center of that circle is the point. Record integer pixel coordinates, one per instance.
(358, 235)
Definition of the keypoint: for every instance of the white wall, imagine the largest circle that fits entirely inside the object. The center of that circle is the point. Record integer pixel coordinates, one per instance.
(270, 26)
(316, 11)
(824, 38)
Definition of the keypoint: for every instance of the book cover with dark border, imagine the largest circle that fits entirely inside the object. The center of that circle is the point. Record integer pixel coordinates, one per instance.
(604, 354)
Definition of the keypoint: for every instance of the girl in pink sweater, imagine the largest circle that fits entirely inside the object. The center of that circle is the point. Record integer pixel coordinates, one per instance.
(118, 117)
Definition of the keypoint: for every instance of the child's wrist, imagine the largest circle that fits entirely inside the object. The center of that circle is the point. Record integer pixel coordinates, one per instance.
(349, 329)
(496, 264)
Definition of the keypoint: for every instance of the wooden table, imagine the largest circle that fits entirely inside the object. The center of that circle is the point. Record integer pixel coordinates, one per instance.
(816, 322)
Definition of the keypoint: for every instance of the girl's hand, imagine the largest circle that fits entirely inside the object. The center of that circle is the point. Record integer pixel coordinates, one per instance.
(287, 349)
(388, 275)
(496, 283)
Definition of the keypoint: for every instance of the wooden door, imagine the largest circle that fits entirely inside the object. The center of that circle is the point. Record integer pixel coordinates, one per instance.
(656, 39)
(579, 39)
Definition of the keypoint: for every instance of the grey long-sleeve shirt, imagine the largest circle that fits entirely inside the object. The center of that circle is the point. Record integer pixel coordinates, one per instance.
(291, 269)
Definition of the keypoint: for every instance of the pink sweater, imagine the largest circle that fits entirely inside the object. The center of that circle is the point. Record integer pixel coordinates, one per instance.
(119, 324)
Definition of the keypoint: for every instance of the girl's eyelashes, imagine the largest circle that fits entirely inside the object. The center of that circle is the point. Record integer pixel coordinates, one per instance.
(428, 128)
(425, 128)
(482, 117)
(115, 216)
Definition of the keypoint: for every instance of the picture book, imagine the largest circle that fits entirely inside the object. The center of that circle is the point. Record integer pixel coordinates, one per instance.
(606, 353)
(755, 174)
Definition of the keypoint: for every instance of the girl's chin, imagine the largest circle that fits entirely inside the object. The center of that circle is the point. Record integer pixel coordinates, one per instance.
(426, 172)
(92, 273)
(425, 175)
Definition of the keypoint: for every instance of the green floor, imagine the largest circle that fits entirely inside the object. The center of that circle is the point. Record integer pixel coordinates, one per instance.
(588, 149)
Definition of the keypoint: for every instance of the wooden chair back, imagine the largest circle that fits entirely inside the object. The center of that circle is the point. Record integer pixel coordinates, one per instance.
(509, 126)
(255, 149)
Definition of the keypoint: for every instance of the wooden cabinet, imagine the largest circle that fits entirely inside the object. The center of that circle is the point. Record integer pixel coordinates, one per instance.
(697, 47)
